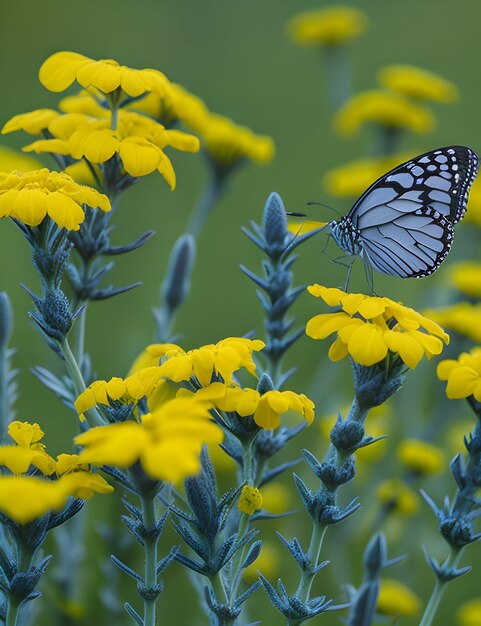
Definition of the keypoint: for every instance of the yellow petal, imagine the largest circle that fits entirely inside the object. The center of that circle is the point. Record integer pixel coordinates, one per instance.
(167, 170)
(64, 211)
(139, 156)
(366, 345)
(462, 382)
(59, 70)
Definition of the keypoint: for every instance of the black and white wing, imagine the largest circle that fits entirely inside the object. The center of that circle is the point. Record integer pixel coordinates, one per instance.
(404, 221)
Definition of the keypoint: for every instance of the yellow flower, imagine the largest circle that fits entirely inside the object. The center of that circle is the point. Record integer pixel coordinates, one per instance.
(18, 459)
(368, 327)
(473, 214)
(466, 277)
(86, 102)
(61, 69)
(26, 435)
(31, 196)
(220, 359)
(33, 122)
(469, 613)
(265, 408)
(330, 26)
(352, 179)
(67, 463)
(463, 375)
(398, 496)
(13, 160)
(463, 317)
(390, 110)
(138, 141)
(421, 457)
(167, 442)
(268, 563)
(25, 498)
(228, 143)
(417, 83)
(396, 599)
(250, 500)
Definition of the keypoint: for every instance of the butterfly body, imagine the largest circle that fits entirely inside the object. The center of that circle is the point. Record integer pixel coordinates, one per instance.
(403, 224)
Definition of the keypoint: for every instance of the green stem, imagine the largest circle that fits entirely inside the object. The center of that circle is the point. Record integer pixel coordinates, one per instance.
(92, 416)
(315, 546)
(150, 551)
(438, 591)
(338, 75)
(81, 324)
(25, 558)
(212, 192)
(4, 400)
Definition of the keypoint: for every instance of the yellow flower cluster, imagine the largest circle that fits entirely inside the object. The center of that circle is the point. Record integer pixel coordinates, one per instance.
(24, 497)
(212, 367)
(352, 179)
(138, 141)
(462, 317)
(388, 109)
(421, 457)
(417, 83)
(122, 111)
(327, 27)
(370, 327)
(31, 196)
(463, 375)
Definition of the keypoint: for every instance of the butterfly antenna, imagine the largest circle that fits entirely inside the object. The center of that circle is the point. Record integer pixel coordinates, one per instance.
(326, 206)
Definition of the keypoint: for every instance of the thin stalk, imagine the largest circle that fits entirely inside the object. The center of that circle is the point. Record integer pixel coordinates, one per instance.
(81, 325)
(24, 565)
(4, 400)
(212, 192)
(439, 589)
(338, 75)
(150, 551)
(315, 547)
(92, 416)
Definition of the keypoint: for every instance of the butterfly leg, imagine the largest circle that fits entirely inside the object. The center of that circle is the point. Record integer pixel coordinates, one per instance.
(346, 263)
(369, 277)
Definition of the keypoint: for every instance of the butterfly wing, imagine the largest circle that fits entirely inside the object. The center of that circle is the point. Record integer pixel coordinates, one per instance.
(404, 221)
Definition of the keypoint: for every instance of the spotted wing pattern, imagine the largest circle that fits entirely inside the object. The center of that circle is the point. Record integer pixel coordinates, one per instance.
(403, 224)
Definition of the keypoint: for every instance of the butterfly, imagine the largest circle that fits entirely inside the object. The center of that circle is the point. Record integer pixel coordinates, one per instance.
(403, 224)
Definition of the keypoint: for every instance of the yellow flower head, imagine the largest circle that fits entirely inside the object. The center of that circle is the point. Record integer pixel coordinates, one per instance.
(138, 140)
(368, 327)
(266, 408)
(31, 196)
(228, 143)
(418, 84)
(327, 27)
(463, 375)
(26, 435)
(398, 600)
(167, 442)
(387, 109)
(352, 179)
(250, 500)
(421, 457)
(62, 69)
(466, 277)
(462, 317)
(398, 497)
(469, 613)
(220, 359)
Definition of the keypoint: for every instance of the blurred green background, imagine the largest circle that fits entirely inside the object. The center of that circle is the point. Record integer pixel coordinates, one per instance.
(235, 56)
